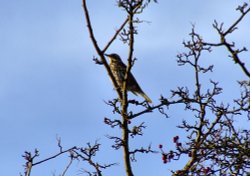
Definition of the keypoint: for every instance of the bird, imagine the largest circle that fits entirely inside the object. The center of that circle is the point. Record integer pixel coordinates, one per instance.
(118, 69)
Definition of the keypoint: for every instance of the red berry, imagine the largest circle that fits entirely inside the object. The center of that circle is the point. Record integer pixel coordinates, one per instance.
(164, 157)
(204, 170)
(175, 139)
(207, 169)
(202, 152)
(178, 144)
(190, 154)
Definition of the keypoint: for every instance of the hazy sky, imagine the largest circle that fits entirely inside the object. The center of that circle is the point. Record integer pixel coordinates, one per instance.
(49, 85)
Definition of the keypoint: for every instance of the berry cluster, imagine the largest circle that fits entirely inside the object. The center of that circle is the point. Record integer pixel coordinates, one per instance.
(167, 157)
(175, 155)
(176, 141)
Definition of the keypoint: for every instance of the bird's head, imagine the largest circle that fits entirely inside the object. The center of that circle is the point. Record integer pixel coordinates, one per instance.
(114, 57)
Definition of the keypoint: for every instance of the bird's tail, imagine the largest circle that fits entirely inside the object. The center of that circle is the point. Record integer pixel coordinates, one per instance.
(146, 97)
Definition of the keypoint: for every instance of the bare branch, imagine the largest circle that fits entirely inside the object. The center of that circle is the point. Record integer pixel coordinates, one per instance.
(234, 53)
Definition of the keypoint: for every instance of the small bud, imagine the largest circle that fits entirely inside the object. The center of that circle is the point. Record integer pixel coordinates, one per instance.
(202, 152)
(160, 146)
(171, 156)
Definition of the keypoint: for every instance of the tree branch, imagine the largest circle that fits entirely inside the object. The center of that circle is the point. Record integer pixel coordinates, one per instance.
(98, 50)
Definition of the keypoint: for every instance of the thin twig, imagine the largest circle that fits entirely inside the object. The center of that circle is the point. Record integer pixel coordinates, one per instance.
(54, 156)
(69, 164)
(115, 35)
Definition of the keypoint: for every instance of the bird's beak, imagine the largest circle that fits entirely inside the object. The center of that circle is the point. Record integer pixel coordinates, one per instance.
(108, 55)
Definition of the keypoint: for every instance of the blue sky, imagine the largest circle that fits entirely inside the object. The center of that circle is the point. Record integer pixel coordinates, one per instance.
(49, 85)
